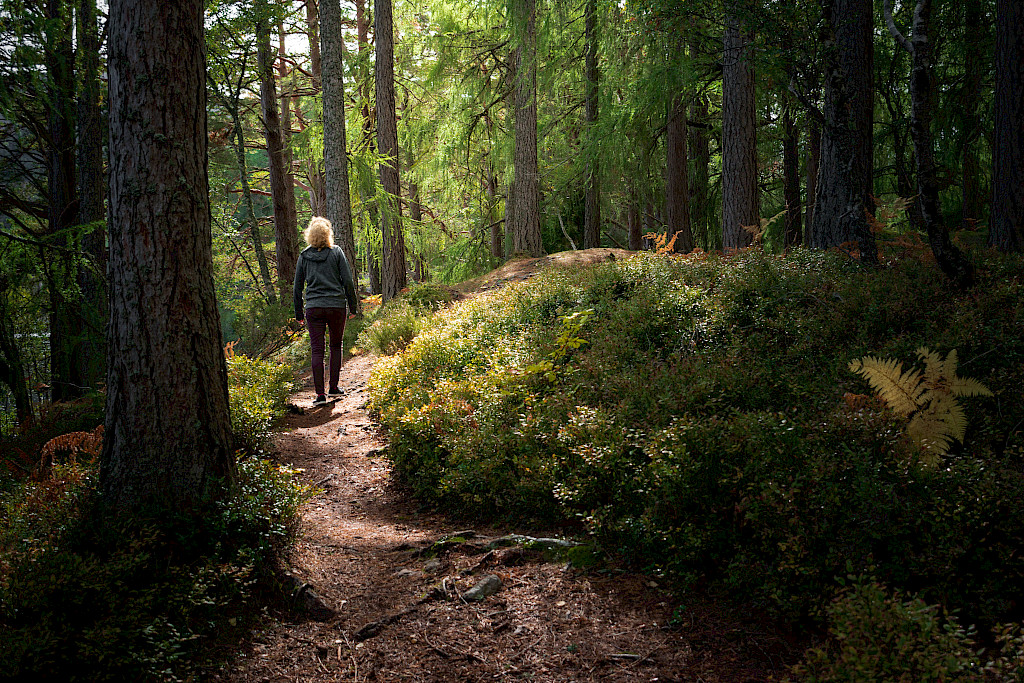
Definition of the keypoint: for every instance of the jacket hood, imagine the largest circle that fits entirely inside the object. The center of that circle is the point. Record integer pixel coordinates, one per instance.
(314, 254)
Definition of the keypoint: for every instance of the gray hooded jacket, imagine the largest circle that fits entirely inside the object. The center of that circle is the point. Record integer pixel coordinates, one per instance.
(327, 280)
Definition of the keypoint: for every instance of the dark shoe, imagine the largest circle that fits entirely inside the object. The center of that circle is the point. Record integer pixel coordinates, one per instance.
(335, 393)
(321, 400)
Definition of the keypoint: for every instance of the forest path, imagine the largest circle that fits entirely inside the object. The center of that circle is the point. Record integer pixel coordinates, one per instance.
(360, 546)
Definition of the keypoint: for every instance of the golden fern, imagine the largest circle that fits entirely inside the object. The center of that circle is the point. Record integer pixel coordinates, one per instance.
(927, 397)
(88, 444)
(901, 390)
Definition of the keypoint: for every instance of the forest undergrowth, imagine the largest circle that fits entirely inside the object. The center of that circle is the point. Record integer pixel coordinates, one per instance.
(697, 417)
(84, 597)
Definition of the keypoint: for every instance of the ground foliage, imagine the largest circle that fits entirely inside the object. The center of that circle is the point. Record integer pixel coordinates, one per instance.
(87, 597)
(706, 425)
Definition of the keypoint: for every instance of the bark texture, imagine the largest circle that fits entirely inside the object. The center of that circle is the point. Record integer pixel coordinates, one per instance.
(92, 191)
(950, 259)
(393, 276)
(282, 185)
(12, 367)
(699, 149)
(1007, 230)
(739, 140)
(811, 168)
(844, 178)
(338, 202)
(167, 439)
(248, 211)
(791, 174)
(524, 221)
(313, 33)
(970, 169)
(592, 203)
(677, 181)
(65, 323)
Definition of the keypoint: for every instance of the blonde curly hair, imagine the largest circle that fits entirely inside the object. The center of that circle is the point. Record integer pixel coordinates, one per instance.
(319, 234)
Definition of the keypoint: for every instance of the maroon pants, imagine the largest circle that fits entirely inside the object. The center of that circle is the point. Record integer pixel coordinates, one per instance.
(319, 320)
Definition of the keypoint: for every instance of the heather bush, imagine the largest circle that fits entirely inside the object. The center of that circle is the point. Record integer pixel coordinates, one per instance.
(697, 416)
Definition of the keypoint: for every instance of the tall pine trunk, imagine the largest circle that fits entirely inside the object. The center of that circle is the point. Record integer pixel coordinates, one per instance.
(949, 258)
(844, 179)
(248, 210)
(12, 366)
(524, 223)
(970, 170)
(739, 139)
(91, 202)
(592, 204)
(282, 186)
(1007, 230)
(65, 323)
(677, 181)
(791, 174)
(699, 148)
(811, 169)
(373, 255)
(338, 200)
(167, 438)
(393, 278)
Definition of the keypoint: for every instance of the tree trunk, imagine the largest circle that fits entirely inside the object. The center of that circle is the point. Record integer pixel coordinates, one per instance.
(91, 203)
(791, 171)
(373, 256)
(314, 170)
(739, 140)
(812, 167)
(592, 205)
(167, 436)
(699, 149)
(633, 225)
(949, 258)
(282, 186)
(844, 179)
(497, 234)
(677, 182)
(524, 223)
(393, 278)
(970, 170)
(313, 32)
(65, 324)
(248, 211)
(1007, 230)
(12, 369)
(338, 200)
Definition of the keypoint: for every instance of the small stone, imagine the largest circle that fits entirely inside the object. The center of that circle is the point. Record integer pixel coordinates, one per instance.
(485, 587)
(409, 573)
(433, 566)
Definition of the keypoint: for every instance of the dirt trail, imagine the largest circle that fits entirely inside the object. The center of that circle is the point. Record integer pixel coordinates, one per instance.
(401, 614)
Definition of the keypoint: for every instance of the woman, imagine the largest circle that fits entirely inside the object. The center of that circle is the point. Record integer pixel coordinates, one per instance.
(324, 273)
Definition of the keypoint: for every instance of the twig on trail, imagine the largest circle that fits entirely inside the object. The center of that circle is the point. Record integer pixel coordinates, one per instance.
(324, 480)
(352, 654)
(442, 653)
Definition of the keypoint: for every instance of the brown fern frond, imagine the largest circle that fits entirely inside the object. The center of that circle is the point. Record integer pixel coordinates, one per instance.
(967, 386)
(901, 390)
(88, 444)
(933, 366)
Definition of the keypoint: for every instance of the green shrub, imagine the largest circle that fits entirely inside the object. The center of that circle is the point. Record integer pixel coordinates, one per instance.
(428, 296)
(258, 391)
(394, 328)
(699, 427)
(882, 637)
(86, 598)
